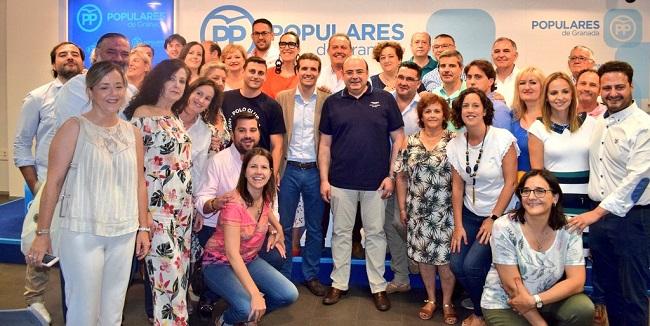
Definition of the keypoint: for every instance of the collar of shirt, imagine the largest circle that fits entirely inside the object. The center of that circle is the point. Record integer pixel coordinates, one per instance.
(236, 156)
(431, 64)
(412, 105)
(455, 94)
(300, 100)
(619, 116)
(345, 93)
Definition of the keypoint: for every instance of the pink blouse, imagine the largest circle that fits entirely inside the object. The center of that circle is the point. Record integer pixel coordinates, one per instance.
(252, 234)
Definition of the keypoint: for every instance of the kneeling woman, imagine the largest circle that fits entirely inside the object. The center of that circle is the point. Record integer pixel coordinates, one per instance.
(232, 267)
(538, 271)
(95, 165)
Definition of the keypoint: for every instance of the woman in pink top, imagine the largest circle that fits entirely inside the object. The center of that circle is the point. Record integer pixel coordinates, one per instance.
(232, 267)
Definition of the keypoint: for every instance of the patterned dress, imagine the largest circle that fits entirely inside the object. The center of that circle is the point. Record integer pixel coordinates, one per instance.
(428, 200)
(167, 162)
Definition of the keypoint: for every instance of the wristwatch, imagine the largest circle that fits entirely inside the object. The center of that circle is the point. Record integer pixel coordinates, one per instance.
(494, 217)
(538, 301)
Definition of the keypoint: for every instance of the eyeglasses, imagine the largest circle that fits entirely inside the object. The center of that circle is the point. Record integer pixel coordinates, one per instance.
(262, 34)
(290, 45)
(539, 192)
(442, 46)
(579, 58)
(408, 79)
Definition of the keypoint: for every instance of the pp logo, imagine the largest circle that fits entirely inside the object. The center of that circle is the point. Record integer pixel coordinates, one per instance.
(623, 26)
(227, 24)
(89, 18)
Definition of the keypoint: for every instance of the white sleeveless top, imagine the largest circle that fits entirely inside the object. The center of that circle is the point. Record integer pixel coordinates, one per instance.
(99, 195)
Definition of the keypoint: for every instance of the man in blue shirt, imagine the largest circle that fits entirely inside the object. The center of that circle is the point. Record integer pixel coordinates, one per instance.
(355, 159)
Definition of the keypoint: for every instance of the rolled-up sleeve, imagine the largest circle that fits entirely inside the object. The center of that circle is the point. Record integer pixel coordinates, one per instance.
(26, 132)
(207, 187)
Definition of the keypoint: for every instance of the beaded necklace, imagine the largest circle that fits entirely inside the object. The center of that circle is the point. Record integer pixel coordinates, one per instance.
(472, 172)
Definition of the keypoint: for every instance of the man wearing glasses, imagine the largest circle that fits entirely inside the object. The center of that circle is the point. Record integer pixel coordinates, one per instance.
(262, 36)
(504, 55)
(407, 98)
(441, 43)
(580, 58)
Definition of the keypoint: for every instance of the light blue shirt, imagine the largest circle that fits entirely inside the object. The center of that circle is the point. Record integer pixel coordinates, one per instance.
(432, 80)
(73, 101)
(301, 146)
(37, 122)
(410, 115)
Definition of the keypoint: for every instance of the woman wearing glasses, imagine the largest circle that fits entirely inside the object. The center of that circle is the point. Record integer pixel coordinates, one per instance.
(538, 272)
(484, 176)
(283, 75)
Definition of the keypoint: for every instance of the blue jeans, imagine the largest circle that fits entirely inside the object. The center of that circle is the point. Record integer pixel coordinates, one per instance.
(621, 250)
(297, 181)
(472, 264)
(278, 290)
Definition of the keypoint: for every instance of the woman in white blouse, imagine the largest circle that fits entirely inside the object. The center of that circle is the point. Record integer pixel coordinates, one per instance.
(484, 175)
(95, 166)
(538, 272)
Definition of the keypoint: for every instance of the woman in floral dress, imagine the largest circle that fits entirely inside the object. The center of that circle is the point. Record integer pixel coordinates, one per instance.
(424, 199)
(167, 162)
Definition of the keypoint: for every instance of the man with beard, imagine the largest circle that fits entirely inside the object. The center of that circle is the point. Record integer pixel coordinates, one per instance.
(37, 120)
(263, 36)
(268, 112)
(619, 228)
(73, 100)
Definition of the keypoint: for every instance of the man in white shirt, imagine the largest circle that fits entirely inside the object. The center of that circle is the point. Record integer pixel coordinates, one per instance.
(339, 48)
(301, 108)
(263, 36)
(504, 55)
(72, 100)
(37, 120)
(619, 227)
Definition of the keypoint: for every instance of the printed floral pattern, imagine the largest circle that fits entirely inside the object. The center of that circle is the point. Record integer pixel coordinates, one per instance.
(167, 162)
(428, 200)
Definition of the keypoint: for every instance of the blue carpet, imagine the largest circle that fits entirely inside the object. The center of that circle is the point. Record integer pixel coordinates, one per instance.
(11, 223)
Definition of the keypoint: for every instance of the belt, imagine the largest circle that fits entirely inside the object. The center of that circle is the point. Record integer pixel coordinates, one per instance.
(301, 165)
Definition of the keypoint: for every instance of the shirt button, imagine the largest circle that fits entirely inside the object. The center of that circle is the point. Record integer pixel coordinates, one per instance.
(602, 193)
(602, 143)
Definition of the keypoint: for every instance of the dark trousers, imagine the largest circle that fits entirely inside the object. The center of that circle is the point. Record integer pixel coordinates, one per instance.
(621, 250)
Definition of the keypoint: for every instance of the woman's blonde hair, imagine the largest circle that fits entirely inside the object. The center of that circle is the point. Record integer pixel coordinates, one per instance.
(518, 105)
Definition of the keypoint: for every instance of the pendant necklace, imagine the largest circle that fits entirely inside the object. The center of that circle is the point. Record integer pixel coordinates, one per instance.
(472, 172)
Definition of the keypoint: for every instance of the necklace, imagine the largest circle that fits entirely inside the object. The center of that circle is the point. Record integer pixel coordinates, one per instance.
(257, 207)
(473, 171)
(539, 240)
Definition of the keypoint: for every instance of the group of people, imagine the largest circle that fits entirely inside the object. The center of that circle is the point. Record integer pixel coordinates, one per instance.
(198, 166)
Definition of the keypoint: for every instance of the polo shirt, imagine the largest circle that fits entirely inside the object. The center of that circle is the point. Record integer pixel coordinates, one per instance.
(360, 130)
(267, 111)
(432, 64)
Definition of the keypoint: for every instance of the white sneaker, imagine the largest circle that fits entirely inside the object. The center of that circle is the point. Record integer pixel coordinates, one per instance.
(40, 308)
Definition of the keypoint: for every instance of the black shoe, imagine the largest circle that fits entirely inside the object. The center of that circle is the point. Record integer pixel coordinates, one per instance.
(315, 287)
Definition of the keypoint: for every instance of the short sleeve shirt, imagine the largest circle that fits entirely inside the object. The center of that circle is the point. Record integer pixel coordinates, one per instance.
(539, 270)
(360, 130)
(266, 109)
(489, 177)
(252, 234)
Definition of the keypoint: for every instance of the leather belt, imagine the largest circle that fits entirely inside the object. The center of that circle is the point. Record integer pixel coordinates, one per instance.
(301, 165)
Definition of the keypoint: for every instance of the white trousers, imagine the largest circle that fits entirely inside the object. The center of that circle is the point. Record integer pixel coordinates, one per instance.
(344, 209)
(96, 271)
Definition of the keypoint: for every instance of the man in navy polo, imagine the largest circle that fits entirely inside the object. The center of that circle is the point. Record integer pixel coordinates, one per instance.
(355, 158)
